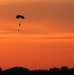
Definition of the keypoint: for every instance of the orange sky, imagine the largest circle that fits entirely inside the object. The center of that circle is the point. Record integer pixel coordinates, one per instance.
(46, 38)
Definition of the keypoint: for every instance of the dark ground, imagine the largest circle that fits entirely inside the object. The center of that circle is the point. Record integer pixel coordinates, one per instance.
(25, 71)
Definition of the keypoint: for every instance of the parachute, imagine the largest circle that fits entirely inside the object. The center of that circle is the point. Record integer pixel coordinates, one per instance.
(20, 17)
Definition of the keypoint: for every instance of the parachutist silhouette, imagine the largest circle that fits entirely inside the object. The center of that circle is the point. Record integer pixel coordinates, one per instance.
(20, 17)
(19, 24)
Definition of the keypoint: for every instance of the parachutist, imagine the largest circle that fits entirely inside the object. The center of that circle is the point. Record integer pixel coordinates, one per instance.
(19, 24)
(20, 17)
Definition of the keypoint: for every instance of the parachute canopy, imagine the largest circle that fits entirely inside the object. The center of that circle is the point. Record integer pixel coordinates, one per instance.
(20, 16)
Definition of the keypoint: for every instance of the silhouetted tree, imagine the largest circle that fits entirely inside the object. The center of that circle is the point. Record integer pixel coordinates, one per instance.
(71, 71)
(54, 71)
(17, 71)
(0, 71)
(64, 70)
(25, 71)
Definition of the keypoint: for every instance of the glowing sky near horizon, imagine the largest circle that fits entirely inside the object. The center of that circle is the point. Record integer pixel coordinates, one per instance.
(47, 33)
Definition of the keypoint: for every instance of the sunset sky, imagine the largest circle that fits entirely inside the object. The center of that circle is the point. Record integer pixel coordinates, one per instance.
(46, 38)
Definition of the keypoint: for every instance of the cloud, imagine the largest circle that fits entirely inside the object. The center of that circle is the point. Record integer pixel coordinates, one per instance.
(17, 36)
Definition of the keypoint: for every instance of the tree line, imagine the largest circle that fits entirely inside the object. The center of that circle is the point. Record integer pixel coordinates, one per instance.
(25, 71)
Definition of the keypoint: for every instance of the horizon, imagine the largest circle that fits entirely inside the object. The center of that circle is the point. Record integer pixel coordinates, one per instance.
(20, 67)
